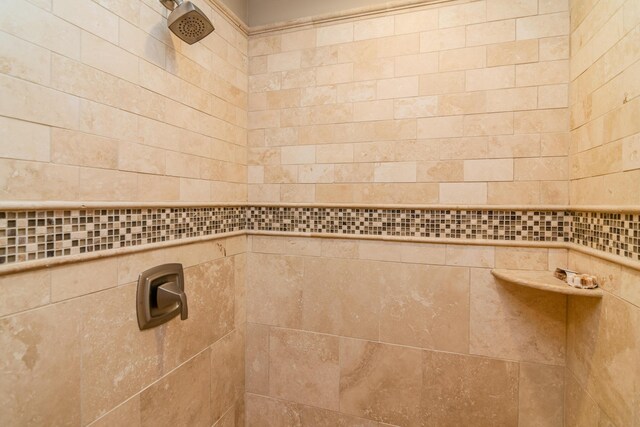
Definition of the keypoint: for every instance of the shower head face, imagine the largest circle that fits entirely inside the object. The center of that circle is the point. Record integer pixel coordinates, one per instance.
(189, 23)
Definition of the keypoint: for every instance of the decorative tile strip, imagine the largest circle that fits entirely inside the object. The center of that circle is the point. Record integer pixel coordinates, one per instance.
(617, 234)
(504, 225)
(40, 234)
(32, 235)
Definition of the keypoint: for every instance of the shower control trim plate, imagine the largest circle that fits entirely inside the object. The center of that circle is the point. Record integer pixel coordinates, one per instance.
(160, 296)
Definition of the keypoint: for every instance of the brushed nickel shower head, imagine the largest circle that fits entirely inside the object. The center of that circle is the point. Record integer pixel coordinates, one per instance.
(187, 21)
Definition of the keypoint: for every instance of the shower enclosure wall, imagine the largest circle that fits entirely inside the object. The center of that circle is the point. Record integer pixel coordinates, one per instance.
(338, 192)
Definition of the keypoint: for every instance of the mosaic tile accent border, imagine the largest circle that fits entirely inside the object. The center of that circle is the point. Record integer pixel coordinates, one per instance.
(615, 233)
(32, 235)
(43, 234)
(503, 225)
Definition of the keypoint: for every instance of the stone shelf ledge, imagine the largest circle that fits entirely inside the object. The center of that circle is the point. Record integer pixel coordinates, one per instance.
(543, 280)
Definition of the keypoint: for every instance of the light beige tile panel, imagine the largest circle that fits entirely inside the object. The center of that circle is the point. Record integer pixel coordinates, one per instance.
(34, 140)
(462, 14)
(90, 17)
(24, 60)
(491, 32)
(549, 25)
(504, 9)
(497, 309)
(38, 104)
(31, 23)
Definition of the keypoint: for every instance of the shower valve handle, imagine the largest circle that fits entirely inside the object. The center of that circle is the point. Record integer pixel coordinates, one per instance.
(168, 294)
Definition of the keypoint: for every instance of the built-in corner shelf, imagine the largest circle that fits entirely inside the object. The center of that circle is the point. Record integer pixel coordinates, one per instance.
(543, 280)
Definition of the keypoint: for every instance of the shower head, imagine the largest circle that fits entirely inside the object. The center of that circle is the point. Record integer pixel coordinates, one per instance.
(187, 21)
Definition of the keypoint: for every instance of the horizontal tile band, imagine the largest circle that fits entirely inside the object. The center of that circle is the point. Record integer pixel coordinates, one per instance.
(62, 205)
(38, 237)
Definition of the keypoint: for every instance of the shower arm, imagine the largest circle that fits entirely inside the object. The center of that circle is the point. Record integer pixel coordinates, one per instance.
(171, 4)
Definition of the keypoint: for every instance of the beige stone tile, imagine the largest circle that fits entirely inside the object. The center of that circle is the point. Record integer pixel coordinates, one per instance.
(553, 96)
(333, 74)
(90, 17)
(334, 34)
(416, 21)
(517, 323)
(304, 367)
(402, 193)
(463, 193)
(315, 173)
(542, 73)
(462, 103)
(83, 278)
(373, 110)
(34, 140)
(23, 291)
(334, 153)
(319, 95)
(337, 248)
(555, 120)
(471, 256)
(504, 9)
(210, 289)
(297, 155)
(509, 193)
(341, 297)
(413, 65)
(40, 361)
(462, 14)
(425, 306)
(553, 48)
(304, 39)
(467, 390)
(489, 124)
(373, 28)
(555, 144)
(631, 152)
(178, 397)
(127, 413)
(445, 39)
(38, 104)
(227, 372)
(34, 24)
(380, 382)
(522, 258)
(267, 412)
(439, 83)
(541, 394)
(491, 32)
(462, 59)
(551, 168)
(602, 339)
(440, 127)
(283, 61)
(440, 171)
(24, 60)
(37, 181)
(490, 78)
(270, 304)
(264, 45)
(158, 188)
(106, 184)
(516, 52)
(358, 91)
(511, 146)
(257, 359)
(395, 172)
(536, 27)
(488, 170)
(400, 87)
(556, 192)
(107, 57)
(110, 377)
(75, 148)
(580, 409)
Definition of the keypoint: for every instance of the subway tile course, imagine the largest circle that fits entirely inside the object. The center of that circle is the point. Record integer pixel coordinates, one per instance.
(29, 235)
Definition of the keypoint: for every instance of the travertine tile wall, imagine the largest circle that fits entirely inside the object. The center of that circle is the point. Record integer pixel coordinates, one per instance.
(353, 332)
(459, 103)
(71, 352)
(605, 132)
(603, 340)
(100, 102)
